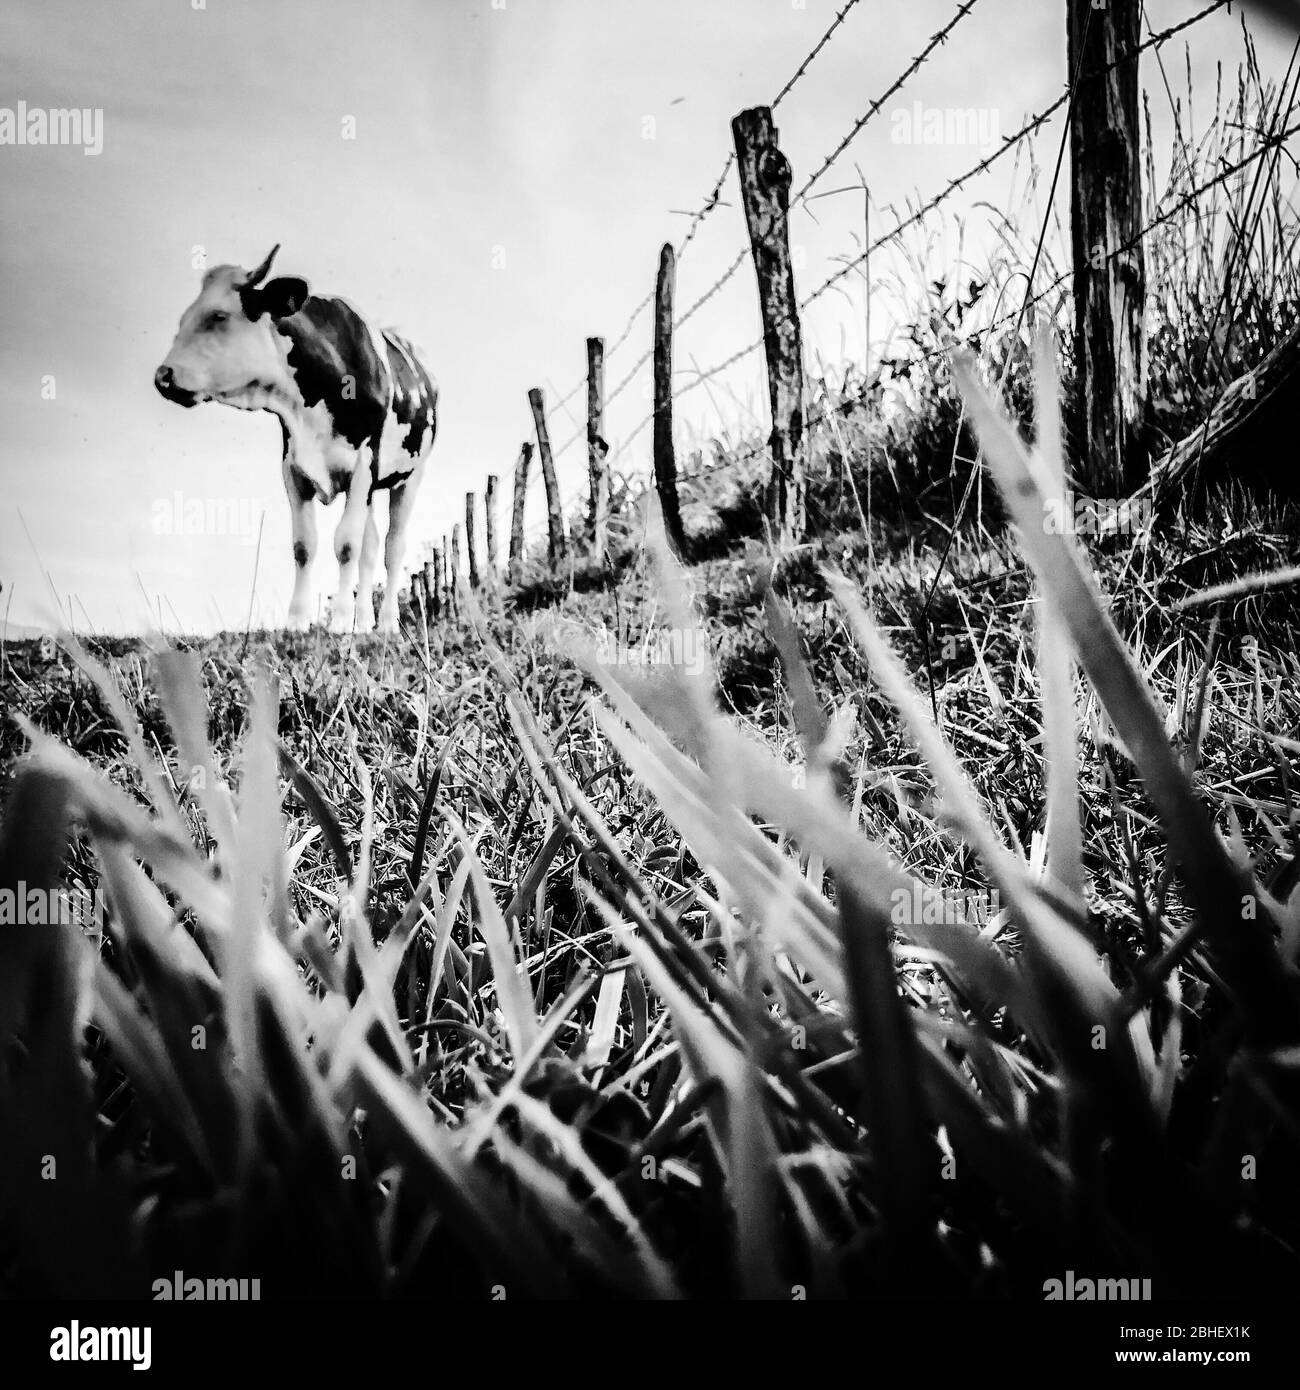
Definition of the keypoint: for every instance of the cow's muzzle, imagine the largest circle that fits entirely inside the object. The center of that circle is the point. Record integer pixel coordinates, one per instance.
(165, 381)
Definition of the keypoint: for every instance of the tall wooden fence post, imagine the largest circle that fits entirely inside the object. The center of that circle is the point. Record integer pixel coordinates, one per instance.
(490, 526)
(517, 516)
(440, 578)
(1105, 216)
(597, 450)
(471, 549)
(765, 190)
(453, 577)
(664, 459)
(554, 519)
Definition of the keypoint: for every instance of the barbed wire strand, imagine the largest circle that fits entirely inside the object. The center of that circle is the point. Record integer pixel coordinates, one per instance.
(910, 71)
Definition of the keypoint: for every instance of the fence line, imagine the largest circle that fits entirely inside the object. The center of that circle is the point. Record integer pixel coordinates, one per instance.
(816, 417)
(1153, 41)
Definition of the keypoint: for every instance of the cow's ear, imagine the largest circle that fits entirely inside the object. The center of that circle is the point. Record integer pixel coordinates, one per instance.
(283, 296)
(280, 297)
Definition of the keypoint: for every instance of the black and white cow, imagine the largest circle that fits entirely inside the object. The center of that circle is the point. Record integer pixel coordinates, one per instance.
(357, 414)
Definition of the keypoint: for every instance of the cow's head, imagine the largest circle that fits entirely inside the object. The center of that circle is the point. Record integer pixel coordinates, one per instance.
(227, 340)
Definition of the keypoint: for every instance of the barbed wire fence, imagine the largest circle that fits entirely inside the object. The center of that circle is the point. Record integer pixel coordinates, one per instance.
(859, 263)
(712, 201)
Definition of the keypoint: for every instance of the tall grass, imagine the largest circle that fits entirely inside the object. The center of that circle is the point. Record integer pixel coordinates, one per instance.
(753, 1053)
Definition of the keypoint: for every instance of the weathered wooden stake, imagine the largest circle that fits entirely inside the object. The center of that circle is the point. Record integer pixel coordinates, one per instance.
(517, 518)
(490, 526)
(664, 458)
(453, 577)
(554, 519)
(1105, 215)
(471, 550)
(440, 578)
(765, 189)
(597, 450)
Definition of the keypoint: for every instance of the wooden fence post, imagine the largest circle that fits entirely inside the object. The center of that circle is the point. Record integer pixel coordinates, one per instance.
(440, 579)
(428, 583)
(765, 189)
(446, 574)
(490, 526)
(432, 585)
(517, 517)
(597, 450)
(471, 550)
(1105, 215)
(453, 576)
(554, 519)
(665, 460)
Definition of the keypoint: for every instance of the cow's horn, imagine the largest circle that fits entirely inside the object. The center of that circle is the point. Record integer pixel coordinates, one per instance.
(254, 276)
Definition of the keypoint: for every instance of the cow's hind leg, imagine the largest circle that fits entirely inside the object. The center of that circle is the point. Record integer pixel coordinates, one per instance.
(348, 541)
(400, 501)
(366, 574)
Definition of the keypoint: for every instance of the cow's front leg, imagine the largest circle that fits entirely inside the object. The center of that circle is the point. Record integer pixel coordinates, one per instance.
(348, 540)
(302, 524)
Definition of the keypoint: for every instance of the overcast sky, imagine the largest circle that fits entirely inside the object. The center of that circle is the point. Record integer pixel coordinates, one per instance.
(494, 179)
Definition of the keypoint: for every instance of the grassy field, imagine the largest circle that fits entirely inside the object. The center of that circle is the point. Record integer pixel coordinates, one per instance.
(787, 923)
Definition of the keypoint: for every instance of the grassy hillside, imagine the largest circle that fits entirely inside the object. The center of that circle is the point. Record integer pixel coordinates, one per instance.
(679, 1089)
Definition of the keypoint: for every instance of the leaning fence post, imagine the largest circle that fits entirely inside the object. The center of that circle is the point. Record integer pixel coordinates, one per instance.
(765, 189)
(664, 459)
(517, 516)
(597, 450)
(471, 550)
(554, 519)
(490, 526)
